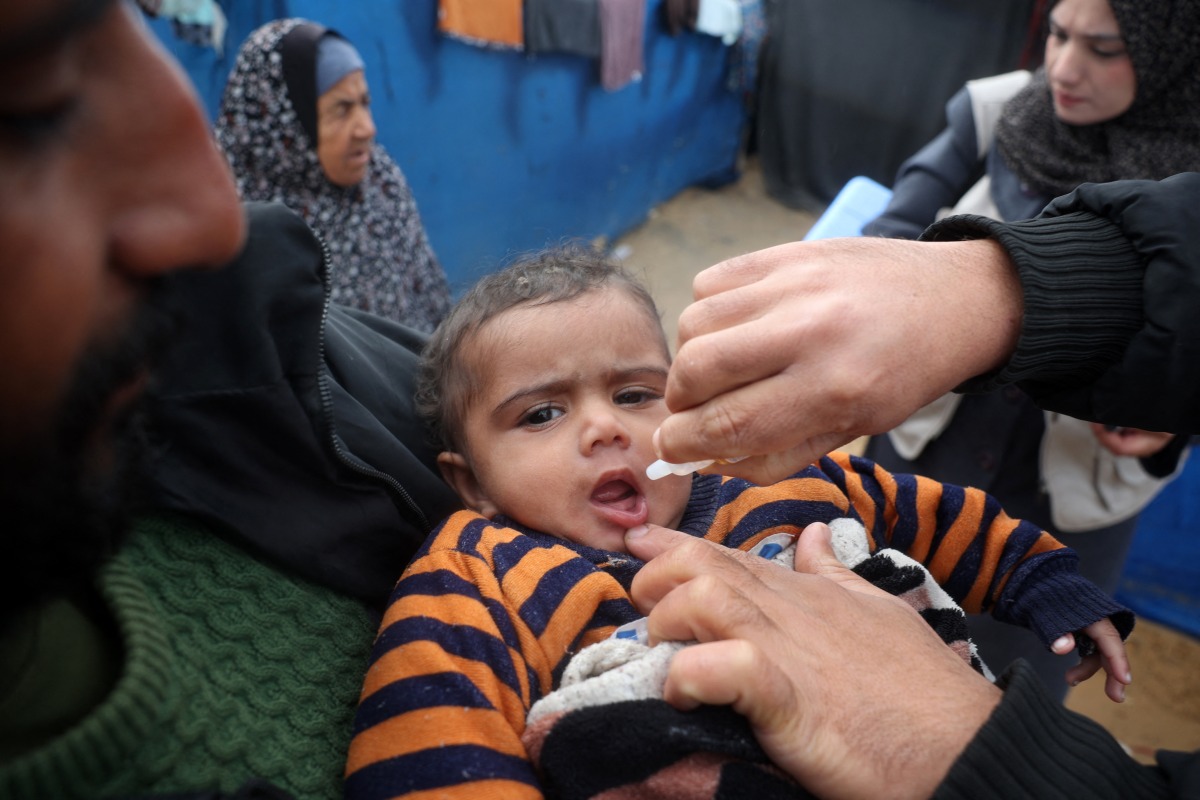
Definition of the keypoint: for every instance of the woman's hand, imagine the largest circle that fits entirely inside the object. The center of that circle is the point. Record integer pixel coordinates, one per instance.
(1131, 441)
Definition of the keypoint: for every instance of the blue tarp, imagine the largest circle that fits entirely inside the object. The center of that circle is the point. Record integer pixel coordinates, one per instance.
(1161, 581)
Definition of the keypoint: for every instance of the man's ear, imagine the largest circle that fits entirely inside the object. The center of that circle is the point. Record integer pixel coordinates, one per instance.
(457, 472)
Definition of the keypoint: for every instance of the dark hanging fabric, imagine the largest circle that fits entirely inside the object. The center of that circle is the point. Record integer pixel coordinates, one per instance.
(562, 26)
(681, 15)
(854, 87)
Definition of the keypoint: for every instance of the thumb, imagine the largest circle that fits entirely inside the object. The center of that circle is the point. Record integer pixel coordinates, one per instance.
(647, 541)
(814, 555)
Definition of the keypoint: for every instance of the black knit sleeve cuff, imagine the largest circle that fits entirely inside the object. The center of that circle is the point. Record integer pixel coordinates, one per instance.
(1032, 747)
(1082, 285)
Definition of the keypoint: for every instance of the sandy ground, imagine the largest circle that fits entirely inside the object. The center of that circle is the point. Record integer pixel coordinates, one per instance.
(699, 228)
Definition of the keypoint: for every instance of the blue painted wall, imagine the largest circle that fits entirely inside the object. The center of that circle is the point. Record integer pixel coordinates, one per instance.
(507, 152)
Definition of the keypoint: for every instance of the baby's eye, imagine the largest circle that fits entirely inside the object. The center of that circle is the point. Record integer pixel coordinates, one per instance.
(541, 416)
(634, 397)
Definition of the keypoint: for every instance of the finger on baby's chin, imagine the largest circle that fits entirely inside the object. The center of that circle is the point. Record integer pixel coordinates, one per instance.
(665, 569)
(648, 541)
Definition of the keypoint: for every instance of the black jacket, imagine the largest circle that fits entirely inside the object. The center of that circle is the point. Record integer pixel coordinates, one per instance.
(1111, 279)
(289, 421)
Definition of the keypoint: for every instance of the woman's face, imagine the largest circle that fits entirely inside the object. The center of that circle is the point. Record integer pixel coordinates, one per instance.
(345, 130)
(1090, 73)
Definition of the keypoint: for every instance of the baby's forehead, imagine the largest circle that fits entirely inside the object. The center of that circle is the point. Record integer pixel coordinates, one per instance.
(589, 306)
(607, 317)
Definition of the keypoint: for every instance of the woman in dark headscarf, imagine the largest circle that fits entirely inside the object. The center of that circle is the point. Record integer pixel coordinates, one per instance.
(296, 127)
(1117, 98)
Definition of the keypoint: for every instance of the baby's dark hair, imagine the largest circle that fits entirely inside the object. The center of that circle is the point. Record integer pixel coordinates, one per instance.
(564, 272)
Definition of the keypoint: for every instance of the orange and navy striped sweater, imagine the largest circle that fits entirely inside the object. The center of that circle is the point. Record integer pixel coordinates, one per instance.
(486, 617)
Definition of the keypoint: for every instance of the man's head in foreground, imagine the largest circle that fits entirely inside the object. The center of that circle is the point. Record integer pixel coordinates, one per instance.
(109, 180)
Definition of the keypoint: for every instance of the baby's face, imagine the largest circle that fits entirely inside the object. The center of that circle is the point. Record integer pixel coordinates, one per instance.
(559, 431)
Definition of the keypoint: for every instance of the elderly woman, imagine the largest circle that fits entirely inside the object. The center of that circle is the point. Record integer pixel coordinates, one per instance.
(1118, 97)
(296, 126)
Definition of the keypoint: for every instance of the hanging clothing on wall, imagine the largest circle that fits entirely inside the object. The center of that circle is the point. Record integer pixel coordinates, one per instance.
(486, 23)
(743, 58)
(722, 18)
(681, 15)
(742, 24)
(622, 37)
(563, 26)
(198, 22)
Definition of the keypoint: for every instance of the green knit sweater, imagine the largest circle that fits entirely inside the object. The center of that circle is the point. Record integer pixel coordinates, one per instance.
(231, 671)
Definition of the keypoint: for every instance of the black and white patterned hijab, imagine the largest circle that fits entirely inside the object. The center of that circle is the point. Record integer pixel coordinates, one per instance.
(1157, 137)
(381, 258)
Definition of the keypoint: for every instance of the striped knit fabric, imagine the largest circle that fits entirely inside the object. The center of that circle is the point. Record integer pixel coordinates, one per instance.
(484, 621)
(612, 692)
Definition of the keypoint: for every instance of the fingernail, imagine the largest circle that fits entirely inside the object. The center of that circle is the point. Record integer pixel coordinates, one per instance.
(1129, 677)
(637, 532)
(654, 442)
(1074, 683)
(1061, 641)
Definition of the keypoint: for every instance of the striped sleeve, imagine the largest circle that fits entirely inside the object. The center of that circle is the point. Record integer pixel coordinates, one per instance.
(478, 628)
(985, 560)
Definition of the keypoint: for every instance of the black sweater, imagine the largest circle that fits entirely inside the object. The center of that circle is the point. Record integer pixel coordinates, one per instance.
(1111, 278)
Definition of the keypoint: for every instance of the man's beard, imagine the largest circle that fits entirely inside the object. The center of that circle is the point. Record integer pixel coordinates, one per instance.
(66, 498)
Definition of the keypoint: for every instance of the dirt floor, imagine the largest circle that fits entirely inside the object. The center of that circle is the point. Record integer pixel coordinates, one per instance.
(699, 228)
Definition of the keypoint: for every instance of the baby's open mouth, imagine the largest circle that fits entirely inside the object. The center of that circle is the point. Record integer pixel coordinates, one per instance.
(620, 502)
(615, 493)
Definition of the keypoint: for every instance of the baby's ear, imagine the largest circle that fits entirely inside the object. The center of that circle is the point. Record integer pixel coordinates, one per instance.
(458, 472)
